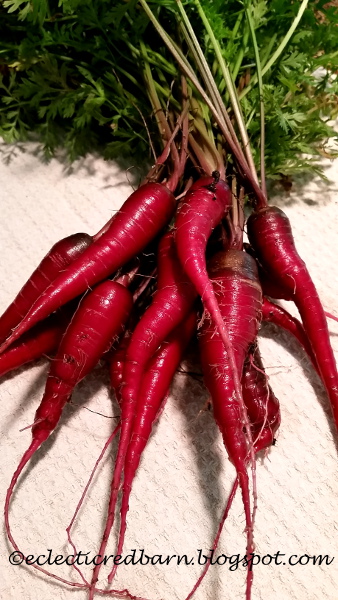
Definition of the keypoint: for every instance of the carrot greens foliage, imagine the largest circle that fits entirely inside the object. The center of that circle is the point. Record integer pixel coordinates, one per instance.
(70, 74)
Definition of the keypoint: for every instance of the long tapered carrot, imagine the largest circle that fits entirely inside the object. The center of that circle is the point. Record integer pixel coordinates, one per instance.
(100, 317)
(270, 235)
(172, 302)
(264, 415)
(140, 219)
(235, 280)
(155, 384)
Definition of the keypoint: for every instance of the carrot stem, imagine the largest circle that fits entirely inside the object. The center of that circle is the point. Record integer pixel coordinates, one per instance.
(279, 50)
(184, 65)
(231, 90)
(261, 99)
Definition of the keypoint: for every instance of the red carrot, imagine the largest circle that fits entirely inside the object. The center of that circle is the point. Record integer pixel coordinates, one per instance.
(260, 401)
(116, 366)
(141, 218)
(235, 280)
(205, 204)
(62, 254)
(43, 339)
(99, 318)
(264, 415)
(270, 234)
(273, 313)
(268, 284)
(204, 207)
(331, 316)
(83, 495)
(171, 304)
(155, 385)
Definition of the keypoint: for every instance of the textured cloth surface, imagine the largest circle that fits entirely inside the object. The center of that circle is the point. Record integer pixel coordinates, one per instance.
(184, 478)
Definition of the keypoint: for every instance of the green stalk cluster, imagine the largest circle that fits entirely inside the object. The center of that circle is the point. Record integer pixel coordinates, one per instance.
(92, 76)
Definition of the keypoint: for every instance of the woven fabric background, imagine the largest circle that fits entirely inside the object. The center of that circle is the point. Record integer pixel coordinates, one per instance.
(182, 484)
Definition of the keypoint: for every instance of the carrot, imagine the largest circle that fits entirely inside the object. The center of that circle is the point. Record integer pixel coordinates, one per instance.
(141, 218)
(155, 385)
(206, 203)
(171, 304)
(264, 415)
(269, 286)
(43, 339)
(204, 207)
(116, 366)
(270, 234)
(272, 313)
(235, 279)
(99, 318)
(83, 495)
(261, 403)
(62, 254)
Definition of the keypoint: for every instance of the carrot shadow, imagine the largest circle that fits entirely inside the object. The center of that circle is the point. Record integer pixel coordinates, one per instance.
(26, 401)
(90, 386)
(88, 165)
(83, 393)
(288, 192)
(289, 343)
(191, 397)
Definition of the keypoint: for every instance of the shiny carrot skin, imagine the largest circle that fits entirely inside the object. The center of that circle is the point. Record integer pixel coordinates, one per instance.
(62, 254)
(172, 302)
(205, 205)
(154, 389)
(235, 280)
(270, 235)
(99, 318)
(140, 219)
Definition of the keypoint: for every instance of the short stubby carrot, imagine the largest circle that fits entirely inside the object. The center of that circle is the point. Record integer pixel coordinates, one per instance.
(235, 281)
(62, 254)
(270, 235)
(261, 403)
(100, 317)
(144, 214)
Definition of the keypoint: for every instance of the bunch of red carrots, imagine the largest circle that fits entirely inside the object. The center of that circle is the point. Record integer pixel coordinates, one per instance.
(69, 307)
(171, 264)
